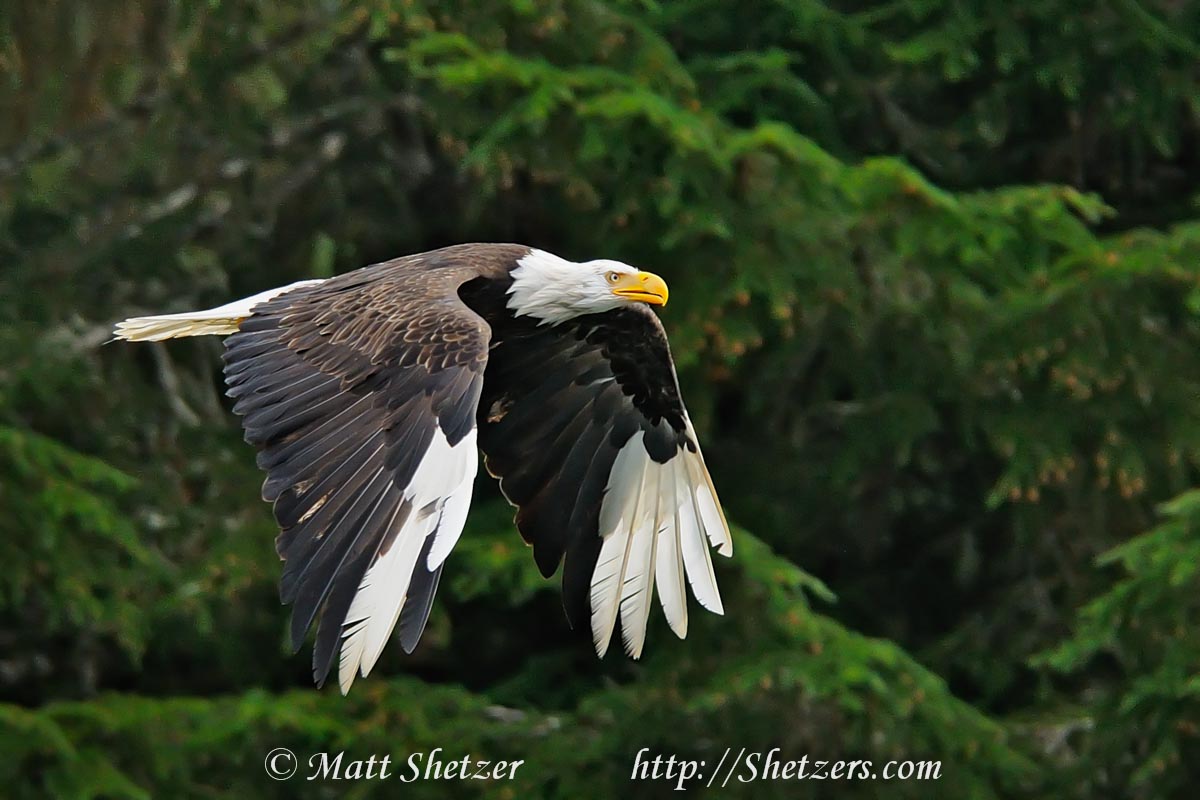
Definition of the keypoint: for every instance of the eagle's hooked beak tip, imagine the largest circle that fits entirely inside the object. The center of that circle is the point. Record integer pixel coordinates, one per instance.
(643, 287)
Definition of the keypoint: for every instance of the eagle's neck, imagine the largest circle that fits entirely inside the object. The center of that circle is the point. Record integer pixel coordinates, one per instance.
(488, 297)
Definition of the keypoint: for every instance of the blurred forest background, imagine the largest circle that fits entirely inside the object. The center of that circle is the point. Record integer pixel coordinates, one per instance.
(935, 270)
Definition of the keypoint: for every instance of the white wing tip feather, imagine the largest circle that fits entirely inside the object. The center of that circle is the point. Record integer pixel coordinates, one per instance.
(444, 476)
(628, 570)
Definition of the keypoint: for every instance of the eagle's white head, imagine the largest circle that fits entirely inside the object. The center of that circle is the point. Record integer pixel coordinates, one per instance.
(554, 290)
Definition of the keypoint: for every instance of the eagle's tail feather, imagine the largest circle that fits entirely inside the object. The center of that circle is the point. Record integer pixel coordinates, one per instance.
(169, 326)
(219, 321)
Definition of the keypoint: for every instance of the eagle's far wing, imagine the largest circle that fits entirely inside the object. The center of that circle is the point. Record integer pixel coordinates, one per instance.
(585, 428)
(360, 393)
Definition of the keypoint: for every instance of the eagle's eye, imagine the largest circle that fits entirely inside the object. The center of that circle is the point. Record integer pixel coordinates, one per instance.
(613, 277)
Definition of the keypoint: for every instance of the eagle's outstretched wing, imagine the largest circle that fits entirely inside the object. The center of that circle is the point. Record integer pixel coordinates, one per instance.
(583, 424)
(360, 393)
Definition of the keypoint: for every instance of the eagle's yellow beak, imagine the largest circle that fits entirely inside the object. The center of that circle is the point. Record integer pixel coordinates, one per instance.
(644, 287)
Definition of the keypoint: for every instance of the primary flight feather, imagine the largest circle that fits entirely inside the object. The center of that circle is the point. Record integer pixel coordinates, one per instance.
(369, 395)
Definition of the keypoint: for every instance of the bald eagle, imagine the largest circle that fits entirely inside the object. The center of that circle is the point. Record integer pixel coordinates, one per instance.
(369, 395)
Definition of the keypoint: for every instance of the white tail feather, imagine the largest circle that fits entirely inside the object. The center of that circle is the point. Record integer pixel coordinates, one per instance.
(219, 321)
